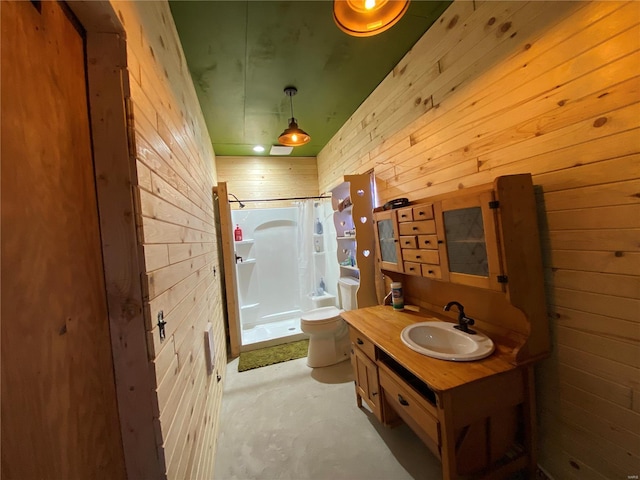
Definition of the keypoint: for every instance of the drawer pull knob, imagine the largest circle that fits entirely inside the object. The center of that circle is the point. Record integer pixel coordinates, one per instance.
(417, 256)
(373, 394)
(359, 342)
(427, 242)
(429, 271)
(415, 228)
(420, 213)
(402, 401)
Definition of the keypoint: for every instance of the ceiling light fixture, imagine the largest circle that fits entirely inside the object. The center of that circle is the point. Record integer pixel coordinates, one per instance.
(293, 136)
(365, 18)
(258, 148)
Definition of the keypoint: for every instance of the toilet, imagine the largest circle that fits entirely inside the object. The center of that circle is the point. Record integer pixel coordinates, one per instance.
(328, 333)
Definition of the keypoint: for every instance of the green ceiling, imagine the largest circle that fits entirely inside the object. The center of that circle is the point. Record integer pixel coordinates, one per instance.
(242, 54)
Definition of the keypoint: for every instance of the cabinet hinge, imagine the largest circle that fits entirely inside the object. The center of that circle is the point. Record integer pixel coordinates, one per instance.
(494, 204)
(503, 279)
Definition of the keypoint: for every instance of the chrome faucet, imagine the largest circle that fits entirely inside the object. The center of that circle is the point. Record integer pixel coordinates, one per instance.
(463, 320)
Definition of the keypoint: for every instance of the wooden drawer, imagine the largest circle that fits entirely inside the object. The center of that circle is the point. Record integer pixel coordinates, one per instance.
(411, 268)
(423, 212)
(417, 228)
(421, 256)
(363, 343)
(405, 214)
(410, 241)
(410, 405)
(431, 271)
(427, 241)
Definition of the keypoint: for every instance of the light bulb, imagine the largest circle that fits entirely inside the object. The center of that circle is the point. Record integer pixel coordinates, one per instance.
(369, 4)
(294, 137)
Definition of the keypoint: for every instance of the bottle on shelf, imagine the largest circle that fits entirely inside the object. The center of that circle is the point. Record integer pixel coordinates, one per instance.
(317, 246)
(321, 287)
(318, 228)
(237, 233)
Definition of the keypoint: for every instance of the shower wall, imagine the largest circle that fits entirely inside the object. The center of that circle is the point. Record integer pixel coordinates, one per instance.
(268, 272)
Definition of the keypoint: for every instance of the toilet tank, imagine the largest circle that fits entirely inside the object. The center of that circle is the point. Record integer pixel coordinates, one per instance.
(348, 287)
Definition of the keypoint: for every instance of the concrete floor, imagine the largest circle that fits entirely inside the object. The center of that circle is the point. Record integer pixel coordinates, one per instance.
(288, 421)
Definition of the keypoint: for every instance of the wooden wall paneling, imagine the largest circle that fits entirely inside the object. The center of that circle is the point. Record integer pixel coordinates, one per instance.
(624, 351)
(620, 163)
(602, 367)
(607, 284)
(179, 251)
(592, 128)
(615, 217)
(597, 324)
(596, 261)
(616, 393)
(175, 212)
(608, 305)
(155, 256)
(178, 297)
(255, 178)
(560, 100)
(620, 193)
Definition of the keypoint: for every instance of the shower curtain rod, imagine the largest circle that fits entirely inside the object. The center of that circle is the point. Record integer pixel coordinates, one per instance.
(279, 199)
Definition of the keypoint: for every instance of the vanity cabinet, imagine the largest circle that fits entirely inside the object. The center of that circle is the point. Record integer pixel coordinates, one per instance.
(460, 237)
(477, 419)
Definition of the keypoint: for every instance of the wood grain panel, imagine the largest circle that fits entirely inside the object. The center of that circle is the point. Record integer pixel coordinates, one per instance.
(59, 400)
(556, 95)
(256, 178)
(176, 165)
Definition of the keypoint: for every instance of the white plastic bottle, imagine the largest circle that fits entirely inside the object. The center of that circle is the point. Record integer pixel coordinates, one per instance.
(397, 297)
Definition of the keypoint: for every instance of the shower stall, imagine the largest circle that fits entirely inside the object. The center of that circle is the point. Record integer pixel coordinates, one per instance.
(285, 265)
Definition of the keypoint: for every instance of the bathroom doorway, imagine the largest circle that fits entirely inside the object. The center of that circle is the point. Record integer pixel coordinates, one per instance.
(285, 265)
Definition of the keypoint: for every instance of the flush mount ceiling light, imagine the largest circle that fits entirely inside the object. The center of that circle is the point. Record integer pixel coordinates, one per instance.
(365, 18)
(293, 136)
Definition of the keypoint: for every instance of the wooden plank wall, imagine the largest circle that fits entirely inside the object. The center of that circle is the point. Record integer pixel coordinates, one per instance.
(176, 172)
(496, 88)
(254, 178)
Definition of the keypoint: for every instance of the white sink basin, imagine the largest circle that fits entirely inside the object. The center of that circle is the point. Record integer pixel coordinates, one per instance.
(441, 340)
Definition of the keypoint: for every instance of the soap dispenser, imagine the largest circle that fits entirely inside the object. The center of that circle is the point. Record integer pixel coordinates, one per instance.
(318, 226)
(237, 233)
(322, 286)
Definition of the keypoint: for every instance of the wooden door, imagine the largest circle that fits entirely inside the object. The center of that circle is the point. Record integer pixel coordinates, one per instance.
(228, 256)
(59, 411)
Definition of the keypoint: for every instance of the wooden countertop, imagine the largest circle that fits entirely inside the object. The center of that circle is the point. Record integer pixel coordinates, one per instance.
(383, 325)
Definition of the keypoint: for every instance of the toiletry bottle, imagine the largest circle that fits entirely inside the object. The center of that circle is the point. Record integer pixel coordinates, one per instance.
(397, 297)
(318, 245)
(237, 233)
(318, 226)
(322, 285)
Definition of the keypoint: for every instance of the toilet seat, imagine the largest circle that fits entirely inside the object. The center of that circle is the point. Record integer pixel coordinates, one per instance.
(321, 316)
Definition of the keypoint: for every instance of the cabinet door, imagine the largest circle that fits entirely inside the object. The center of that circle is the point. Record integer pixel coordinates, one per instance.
(386, 231)
(367, 385)
(471, 245)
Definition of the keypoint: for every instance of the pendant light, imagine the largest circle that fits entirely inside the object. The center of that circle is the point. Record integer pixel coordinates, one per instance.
(293, 136)
(365, 18)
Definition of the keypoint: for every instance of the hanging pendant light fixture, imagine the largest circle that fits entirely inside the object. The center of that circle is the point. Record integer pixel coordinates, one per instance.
(293, 136)
(365, 18)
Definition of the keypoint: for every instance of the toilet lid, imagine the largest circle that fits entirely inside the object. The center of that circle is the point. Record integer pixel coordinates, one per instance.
(321, 315)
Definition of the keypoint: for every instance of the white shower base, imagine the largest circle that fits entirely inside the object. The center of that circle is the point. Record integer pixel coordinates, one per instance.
(272, 333)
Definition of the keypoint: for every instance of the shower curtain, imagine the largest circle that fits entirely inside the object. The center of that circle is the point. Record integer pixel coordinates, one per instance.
(312, 265)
